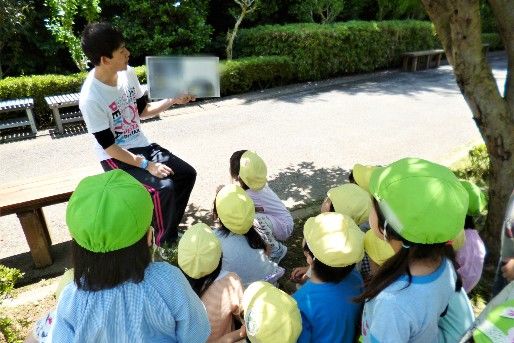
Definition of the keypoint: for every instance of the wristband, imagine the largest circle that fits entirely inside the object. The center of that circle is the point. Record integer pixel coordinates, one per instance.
(143, 164)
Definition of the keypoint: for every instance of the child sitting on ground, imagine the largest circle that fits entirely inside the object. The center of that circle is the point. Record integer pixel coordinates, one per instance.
(270, 315)
(249, 170)
(333, 244)
(350, 200)
(199, 257)
(243, 248)
(118, 294)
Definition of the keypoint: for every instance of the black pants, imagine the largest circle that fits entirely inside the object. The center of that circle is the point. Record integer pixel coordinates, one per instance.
(170, 195)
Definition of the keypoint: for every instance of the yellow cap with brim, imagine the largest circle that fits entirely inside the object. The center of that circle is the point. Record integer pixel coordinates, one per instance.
(270, 314)
(422, 201)
(253, 170)
(377, 249)
(199, 251)
(351, 200)
(334, 239)
(235, 208)
(362, 175)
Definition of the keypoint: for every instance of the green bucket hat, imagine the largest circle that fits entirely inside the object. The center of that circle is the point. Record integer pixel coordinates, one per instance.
(422, 201)
(109, 211)
(498, 326)
(477, 198)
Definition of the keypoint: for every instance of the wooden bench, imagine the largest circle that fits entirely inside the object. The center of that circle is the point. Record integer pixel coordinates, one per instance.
(432, 58)
(19, 105)
(27, 198)
(57, 102)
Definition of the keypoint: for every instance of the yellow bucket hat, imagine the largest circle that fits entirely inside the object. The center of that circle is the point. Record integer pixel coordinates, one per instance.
(377, 249)
(270, 314)
(199, 251)
(362, 175)
(334, 239)
(253, 170)
(235, 209)
(351, 200)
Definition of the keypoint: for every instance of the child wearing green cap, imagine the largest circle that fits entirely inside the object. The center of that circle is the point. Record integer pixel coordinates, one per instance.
(244, 251)
(333, 244)
(418, 208)
(249, 170)
(118, 294)
(199, 257)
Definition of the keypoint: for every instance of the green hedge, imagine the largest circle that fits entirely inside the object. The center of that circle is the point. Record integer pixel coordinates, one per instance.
(39, 86)
(320, 51)
(239, 76)
(494, 40)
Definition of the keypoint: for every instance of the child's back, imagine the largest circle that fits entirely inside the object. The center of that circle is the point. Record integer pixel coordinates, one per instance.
(162, 307)
(328, 312)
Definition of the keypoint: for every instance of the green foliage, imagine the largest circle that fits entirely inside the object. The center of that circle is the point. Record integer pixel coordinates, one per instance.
(400, 9)
(477, 167)
(487, 17)
(163, 27)
(12, 17)
(62, 22)
(321, 51)
(9, 333)
(39, 86)
(8, 278)
(238, 76)
(319, 11)
(494, 40)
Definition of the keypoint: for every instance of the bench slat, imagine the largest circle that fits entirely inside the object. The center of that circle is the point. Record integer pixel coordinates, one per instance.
(42, 191)
(15, 122)
(423, 53)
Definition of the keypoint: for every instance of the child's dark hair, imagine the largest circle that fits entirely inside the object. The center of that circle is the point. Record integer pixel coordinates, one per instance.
(351, 179)
(253, 238)
(100, 39)
(327, 273)
(398, 264)
(235, 165)
(98, 271)
(469, 223)
(201, 285)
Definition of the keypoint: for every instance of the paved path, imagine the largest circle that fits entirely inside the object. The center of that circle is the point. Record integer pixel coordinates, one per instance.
(309, 135)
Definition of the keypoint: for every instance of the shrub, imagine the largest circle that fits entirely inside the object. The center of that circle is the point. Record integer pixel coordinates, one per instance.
(494, 40)
(8, 278)
(321, 51)
(476, 168)
(238, 76)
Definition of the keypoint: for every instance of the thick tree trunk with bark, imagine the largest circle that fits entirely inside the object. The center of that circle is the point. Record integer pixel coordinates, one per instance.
(457, 23)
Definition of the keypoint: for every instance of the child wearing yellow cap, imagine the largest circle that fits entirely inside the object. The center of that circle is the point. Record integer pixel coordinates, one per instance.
(249, 170)
(199, 257)
(117, 293)
(244, 251)
(333, 244)
(270, 315)
(418, 207)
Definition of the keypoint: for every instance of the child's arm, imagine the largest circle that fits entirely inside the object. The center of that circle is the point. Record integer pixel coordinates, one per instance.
(231, 337)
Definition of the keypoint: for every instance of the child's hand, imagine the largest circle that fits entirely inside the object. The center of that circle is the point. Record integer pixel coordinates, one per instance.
(298, 274)
(508, 269)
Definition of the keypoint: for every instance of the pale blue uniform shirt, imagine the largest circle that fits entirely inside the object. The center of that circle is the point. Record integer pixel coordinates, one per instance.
(161, 308)
(409, 313)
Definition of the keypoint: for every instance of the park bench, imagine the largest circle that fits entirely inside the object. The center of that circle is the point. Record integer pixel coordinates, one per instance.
(432, 58)
(18, 105)
(57, 102)
(26, 199)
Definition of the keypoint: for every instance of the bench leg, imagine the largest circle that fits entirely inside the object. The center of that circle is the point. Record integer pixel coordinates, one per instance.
(438, 60)
(429, 59)
(58, 120)
(36, 232)
(414, 65)
(31, 120)
(405, 66)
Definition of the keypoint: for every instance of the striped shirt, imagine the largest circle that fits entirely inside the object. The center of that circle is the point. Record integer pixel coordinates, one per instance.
(161, 308)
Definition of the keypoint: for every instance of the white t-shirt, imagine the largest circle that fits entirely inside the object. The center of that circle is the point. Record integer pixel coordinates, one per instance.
(276, 211)
(114, 108)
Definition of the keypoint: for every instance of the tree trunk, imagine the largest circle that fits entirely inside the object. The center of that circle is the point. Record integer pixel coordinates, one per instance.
(457, 23)
(232, 35)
